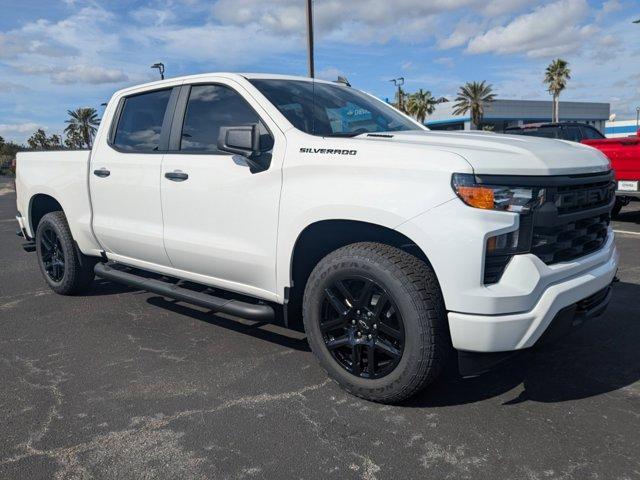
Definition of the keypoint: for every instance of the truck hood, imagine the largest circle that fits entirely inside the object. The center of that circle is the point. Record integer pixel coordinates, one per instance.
(489, 153)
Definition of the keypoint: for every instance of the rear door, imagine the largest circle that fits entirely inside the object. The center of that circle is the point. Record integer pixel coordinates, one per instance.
(220, 219)
(124, 177)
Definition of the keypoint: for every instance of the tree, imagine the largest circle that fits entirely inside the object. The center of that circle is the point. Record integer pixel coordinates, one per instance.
(474, 97)
(40, 141)
(85, 121)
(421, 104)
(556, 76)
(74, 139)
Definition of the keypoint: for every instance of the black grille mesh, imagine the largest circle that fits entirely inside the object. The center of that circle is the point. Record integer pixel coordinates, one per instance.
(570, 240)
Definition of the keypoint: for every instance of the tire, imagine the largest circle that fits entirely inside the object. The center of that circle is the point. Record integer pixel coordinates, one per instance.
(616, 208)
(67, 271)
(415, 306)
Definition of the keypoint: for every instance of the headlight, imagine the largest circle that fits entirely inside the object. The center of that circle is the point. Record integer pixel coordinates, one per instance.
(496, 197)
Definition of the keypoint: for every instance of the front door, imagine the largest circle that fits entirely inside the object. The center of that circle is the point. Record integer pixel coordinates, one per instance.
(125, 179)
(220, 219)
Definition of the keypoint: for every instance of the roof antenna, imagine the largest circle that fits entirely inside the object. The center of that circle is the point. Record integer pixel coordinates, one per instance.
(343, 80)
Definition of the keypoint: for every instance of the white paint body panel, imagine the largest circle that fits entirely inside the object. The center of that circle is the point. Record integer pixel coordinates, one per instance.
(63, 176)
(231, 229)
(231, 237)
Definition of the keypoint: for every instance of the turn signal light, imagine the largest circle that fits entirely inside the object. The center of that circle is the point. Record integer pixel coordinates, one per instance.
(479, 197)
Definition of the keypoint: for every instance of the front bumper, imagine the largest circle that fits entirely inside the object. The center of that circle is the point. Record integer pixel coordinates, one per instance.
(476, 363)
(553, 292)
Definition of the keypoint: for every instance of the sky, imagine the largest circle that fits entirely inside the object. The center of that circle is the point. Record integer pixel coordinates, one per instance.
(61, 55)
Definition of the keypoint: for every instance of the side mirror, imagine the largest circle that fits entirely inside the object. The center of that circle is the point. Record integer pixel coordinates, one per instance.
(242, 140)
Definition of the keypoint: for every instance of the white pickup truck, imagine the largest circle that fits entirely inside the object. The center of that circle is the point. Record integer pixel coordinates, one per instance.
(283, 198)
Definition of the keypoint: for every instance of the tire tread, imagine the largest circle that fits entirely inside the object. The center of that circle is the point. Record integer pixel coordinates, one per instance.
(423, 290)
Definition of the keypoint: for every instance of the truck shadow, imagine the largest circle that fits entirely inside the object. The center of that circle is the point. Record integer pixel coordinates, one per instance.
(629, 214)
(598, 358)
(263, 331)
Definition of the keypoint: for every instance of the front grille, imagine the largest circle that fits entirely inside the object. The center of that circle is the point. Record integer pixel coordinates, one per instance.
(575, 198)
(567, 241)
(573, 220)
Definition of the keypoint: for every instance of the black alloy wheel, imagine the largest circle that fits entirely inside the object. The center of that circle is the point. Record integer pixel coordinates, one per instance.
(64, 267)
(362, 327)
(53, 258)
(375, 319)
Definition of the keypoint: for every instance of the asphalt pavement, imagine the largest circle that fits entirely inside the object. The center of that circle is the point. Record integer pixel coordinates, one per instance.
(122, 383)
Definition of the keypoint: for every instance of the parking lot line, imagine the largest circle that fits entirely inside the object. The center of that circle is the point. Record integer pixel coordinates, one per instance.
(626, 232)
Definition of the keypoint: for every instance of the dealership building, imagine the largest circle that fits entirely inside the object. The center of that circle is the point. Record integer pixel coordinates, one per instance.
(501, 114)
(621, 128)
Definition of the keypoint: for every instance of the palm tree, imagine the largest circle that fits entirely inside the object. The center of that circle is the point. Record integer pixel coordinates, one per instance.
(556, 76)
(421, 104)
(85, 121)
(474, 97)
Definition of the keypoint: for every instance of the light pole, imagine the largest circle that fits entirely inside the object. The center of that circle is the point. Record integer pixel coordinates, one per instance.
(398, 82)
(637, 117)
(310, 38)
(160, 67)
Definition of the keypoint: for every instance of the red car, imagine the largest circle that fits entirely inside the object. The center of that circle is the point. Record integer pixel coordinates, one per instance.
(623, 152)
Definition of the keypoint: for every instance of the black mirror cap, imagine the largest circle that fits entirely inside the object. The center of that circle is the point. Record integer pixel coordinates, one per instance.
(242, 140)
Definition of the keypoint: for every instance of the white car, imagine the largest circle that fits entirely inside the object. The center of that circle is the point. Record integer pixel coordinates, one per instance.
(293, 198)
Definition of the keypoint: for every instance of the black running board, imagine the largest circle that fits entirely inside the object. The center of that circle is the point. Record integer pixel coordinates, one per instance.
(250, 311)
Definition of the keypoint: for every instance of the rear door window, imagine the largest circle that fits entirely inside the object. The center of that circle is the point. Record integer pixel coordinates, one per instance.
(140, 123)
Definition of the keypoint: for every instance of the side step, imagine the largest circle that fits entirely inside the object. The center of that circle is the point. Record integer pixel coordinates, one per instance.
(250, 311)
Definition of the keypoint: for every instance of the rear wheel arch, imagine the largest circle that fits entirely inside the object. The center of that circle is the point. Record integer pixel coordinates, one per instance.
(39, 205)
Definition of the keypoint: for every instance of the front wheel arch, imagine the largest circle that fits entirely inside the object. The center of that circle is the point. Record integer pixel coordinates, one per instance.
(325, 236)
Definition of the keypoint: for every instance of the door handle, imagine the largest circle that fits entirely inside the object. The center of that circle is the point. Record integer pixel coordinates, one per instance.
(176, 176)
(102, 173)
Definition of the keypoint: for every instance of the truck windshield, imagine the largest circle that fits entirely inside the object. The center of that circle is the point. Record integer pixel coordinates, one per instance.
(331, 110)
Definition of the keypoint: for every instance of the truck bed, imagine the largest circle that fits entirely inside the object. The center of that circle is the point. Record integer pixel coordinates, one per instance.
(63, 175)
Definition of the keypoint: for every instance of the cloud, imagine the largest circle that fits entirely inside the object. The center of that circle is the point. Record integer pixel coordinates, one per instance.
(371, 21)
(500, 7)
(463, 32)
(231, 45)
(447, 62)
(547, 31)
(12, 87)
(154, 16)
(88, 74)
(18, 128)
(330, 73)
(13, 45)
